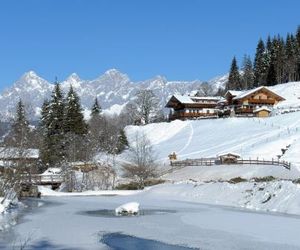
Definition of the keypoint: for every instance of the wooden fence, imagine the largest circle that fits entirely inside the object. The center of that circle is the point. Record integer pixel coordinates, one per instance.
(284, 164)
(194, 162)
(215, 161)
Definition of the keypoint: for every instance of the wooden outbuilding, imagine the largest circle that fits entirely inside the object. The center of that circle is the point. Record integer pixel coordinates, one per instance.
(228, 158)
(262, 112)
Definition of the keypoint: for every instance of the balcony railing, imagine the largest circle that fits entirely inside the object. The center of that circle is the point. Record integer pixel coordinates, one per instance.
(261, 101)
(190, 115)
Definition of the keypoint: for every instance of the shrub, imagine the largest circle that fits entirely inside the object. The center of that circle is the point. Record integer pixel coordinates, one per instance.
(135, 185)
(264, 179)
(296, 181)
(237, 180)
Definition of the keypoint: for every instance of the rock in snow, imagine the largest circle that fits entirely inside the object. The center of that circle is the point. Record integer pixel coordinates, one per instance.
(128, 208)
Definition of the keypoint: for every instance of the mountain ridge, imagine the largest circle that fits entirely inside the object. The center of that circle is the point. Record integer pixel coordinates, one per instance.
(113, 89)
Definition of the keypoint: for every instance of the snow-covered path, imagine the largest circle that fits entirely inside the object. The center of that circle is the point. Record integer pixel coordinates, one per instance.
(62, 222)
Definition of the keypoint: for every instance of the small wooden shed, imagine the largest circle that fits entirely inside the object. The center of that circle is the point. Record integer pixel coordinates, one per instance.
(172, 156)
(229, 158)
(262, 112)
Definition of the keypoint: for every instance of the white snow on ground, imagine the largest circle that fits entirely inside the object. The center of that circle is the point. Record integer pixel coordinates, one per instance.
(227, 172)
(291, 92)
(157, 133)
(249, 137)
(3, 206)
(45, 191)
(276, 196)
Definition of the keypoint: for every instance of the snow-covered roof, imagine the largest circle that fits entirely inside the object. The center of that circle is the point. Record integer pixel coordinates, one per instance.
(184, 98)
(262, 108)
(52, 171)
(251, 91)
(230, 153)
(193, 99)
(15, 153)
(234, 92)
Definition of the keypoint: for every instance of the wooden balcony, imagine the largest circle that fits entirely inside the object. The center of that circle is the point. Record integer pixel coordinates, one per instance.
(200, 105)
(241, 110)
(261, 101)
(191, 115)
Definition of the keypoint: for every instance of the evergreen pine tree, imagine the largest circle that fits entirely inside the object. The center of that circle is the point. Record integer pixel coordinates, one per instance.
(248, 76)
(74, 120)
(122, 141)
(96, 109)
(44, 129)
(75, 128)
(260, 64)
(19, 134)
(55, 130)
(298, 53)
(234, 79)
(279, 59)
(291, 58)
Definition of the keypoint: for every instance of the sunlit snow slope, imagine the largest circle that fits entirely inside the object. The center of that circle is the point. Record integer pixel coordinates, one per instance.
(250, 137)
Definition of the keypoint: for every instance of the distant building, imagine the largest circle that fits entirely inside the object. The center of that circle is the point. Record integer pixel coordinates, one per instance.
(11, 157)
(192, 107)
(256, 102)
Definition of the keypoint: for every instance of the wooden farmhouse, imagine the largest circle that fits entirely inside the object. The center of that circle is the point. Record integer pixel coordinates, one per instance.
(256, 102)
(192, 107)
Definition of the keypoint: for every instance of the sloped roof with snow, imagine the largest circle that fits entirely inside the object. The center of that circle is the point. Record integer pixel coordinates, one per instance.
(193, 99)
(234, 92)
(262, 108)
(16, 153)
(249, 92)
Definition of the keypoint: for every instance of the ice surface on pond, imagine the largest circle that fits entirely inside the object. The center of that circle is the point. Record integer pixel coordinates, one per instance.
(128, 208)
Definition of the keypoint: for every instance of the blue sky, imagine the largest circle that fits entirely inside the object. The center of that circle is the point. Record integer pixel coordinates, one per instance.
(179, 39)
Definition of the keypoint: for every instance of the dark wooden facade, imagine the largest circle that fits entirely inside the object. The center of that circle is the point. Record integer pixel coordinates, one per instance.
(247, 102)
(187, 107)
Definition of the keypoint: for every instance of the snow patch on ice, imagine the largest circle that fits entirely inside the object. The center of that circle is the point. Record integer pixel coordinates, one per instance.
(128, 208)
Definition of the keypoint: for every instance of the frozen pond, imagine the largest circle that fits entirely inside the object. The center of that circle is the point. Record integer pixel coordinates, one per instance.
(88, 223)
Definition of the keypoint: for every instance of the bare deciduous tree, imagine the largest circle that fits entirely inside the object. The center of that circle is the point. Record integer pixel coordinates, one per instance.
(147, 104)
(142, 161)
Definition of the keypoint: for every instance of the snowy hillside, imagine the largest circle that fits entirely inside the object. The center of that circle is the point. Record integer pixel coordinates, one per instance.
(249, 137)
(113, 88)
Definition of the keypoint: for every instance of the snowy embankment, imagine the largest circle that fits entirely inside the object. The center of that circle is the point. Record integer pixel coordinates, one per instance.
(3, 206)
(45, 191)
(227, 172)
(276, 196)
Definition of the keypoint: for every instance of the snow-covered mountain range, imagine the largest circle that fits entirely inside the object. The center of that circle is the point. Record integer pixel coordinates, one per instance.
(113, 89)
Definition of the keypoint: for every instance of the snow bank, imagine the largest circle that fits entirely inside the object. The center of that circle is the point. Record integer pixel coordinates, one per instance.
(128, 208)
(2, 206)
(227, 172)
(276, 196)
(45, 191)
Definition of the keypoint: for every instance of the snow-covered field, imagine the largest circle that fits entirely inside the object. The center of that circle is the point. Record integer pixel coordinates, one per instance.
(249, 137)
